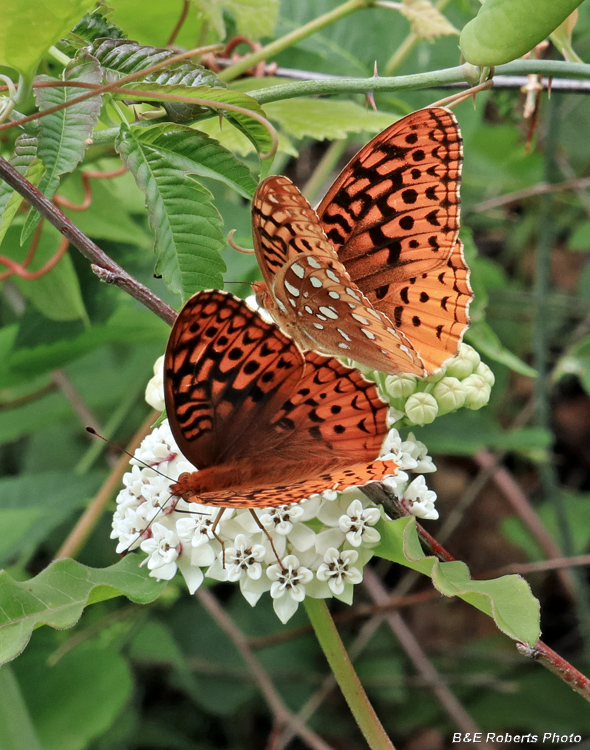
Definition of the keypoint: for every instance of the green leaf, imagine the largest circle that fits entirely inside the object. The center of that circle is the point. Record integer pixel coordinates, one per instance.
(29, 29)
(93, 26)
(56, 294)
(252, 128)
(467, 432)
(76, 698)
(483, 338)
(17, 731)
(326, 118)
(254, 18)
(25, 161)
(193, 152)
(575, 362)
(580, 237)
(186, 224)
(63, 136)
(57, 597)
(506, 29)
(508, 600)
(27, 516)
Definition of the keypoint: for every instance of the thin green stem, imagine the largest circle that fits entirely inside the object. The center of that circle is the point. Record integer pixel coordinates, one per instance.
(273, 49)
(462, 73)
(345, 676)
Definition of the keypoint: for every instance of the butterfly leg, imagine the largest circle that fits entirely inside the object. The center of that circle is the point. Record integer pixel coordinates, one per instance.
(268, 536)
(216, 535)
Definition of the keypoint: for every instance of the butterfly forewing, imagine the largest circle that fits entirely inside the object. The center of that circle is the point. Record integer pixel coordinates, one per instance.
(363, 280)
(393, 213)
(223, 365)
(319, 304)
(255, 414)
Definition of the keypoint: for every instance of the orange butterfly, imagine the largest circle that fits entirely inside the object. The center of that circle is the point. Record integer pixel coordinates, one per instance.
(265, 424)
(377, 274)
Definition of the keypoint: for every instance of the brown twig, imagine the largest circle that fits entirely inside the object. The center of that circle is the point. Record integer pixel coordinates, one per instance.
(541, 188)
(84, 244)
(89, 518)
(66, 386)
(179, 23)
(282, 715)
(559, 666)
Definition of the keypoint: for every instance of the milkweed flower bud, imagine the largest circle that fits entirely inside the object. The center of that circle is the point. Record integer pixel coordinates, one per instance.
(400, 386)
(484, 371)
(477, 391)
(154, 392)
(465, 363)
(450, 394)
(421, 408)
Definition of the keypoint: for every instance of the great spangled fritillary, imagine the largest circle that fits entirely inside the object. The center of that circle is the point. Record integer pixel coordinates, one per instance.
(377, 273)
(265, 424)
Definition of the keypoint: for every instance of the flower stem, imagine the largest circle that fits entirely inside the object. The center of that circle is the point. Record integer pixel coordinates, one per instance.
(272, 49)
(345, 676)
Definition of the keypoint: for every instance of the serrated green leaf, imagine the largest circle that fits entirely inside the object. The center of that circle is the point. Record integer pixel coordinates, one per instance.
(29, 29)
(57, 597)
(64, 136)
(25, 161)
(325, 118)
(252, 128)
(93, 26)
(508, 600)
(483, 338)
(193, 152)
(186, 224)
(56, 293)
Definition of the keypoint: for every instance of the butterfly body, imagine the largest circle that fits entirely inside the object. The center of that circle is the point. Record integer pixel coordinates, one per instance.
(377, 274)
(265, 424)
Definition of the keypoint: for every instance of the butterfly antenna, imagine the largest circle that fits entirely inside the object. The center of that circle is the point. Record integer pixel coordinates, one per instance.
(92, 431)
(231, 243)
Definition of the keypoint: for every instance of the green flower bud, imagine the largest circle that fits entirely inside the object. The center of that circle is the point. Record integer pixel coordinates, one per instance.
(450, 394)
(400, 386)
(477, 391)
(465, 363)
(421, 408)
(484, 371)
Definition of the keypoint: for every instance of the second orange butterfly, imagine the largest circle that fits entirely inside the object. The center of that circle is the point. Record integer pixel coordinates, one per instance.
(377, 274)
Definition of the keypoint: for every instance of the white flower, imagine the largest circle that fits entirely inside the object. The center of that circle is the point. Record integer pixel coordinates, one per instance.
(163, 549)
(419, 452)
(154, 392)
(243, 559)
(337, 571)
(306, 538)
(288, 586)
(357, 524)
(419, 500)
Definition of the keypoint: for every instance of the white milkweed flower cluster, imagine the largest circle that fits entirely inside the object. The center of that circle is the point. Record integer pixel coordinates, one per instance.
(323, 542)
